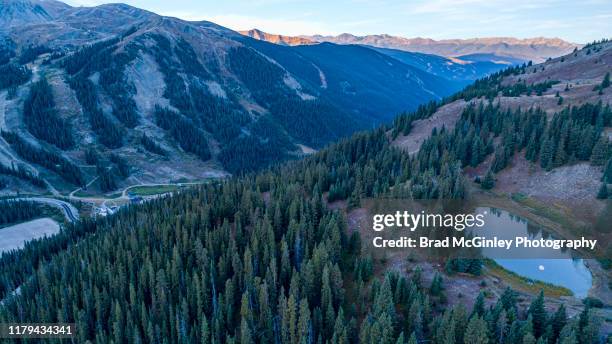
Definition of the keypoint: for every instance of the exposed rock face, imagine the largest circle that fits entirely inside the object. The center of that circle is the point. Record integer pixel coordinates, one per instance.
(277, 39)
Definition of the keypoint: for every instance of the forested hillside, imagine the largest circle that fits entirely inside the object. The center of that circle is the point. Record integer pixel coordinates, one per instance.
(266, 259)
(231, 263)
(98, 79)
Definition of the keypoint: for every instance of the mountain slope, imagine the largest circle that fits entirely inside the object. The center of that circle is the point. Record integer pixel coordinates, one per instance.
(559, 166)
(184, 100)
(349, 74)
(26, 12)
(463, 69)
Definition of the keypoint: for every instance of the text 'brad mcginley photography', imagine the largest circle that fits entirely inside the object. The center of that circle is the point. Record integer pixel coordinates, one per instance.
(485, 231)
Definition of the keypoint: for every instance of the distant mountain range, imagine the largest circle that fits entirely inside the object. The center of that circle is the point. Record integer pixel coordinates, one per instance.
(531, 49)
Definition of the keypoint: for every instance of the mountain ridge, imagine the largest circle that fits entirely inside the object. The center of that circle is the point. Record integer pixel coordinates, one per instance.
(276, 38)
(536, 49)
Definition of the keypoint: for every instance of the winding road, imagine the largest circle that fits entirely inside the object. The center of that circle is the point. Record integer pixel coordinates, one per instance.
(70, 212)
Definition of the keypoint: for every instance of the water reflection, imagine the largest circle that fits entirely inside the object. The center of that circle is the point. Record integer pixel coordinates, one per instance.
(558, 267)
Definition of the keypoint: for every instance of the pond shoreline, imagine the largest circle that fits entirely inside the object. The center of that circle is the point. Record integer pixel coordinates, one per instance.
(600, 277)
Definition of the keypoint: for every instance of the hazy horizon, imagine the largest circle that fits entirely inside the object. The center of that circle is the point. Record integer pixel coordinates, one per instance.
(437, 19)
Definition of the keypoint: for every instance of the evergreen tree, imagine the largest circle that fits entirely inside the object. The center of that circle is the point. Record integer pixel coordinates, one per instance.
(558, 321)
(601, 152)
(607, 176)
(413, 339)
(603, 191)
(488, 182)
(538, 315)
(479, 306)
(605, 83)
(476, 331)
(546, 155)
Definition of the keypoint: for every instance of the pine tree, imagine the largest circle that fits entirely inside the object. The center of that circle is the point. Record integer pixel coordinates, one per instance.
(605, 83)
(204, 331)
(601, 152)
(488, 182)
(413, 339)
(558, 321)
(607, 176)
(546, 154)
(436, 287)
(479, 306)
(560, 156)
(415, 318)
(476, 331)
(538, 315)
(400, 339)
(603, 191)
(529, 339)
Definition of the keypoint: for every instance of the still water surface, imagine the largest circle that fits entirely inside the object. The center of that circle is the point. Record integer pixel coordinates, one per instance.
(557, 267)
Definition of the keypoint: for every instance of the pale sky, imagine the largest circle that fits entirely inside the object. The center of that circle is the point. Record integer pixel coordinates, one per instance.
(576, 21)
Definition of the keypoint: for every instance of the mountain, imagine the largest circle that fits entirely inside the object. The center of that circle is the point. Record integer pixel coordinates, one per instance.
(530, 49)
(132, 97)
(456, 70)
(286, 255)
(25, 12)
(498, 49)
(277, 39)
(350, 73)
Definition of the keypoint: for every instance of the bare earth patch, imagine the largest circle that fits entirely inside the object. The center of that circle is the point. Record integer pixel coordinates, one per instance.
(446, 116)
(571, 186)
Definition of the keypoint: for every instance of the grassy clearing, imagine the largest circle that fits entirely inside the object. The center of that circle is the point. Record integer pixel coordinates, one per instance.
(524, 284)
(544, 210)
(152, 190)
